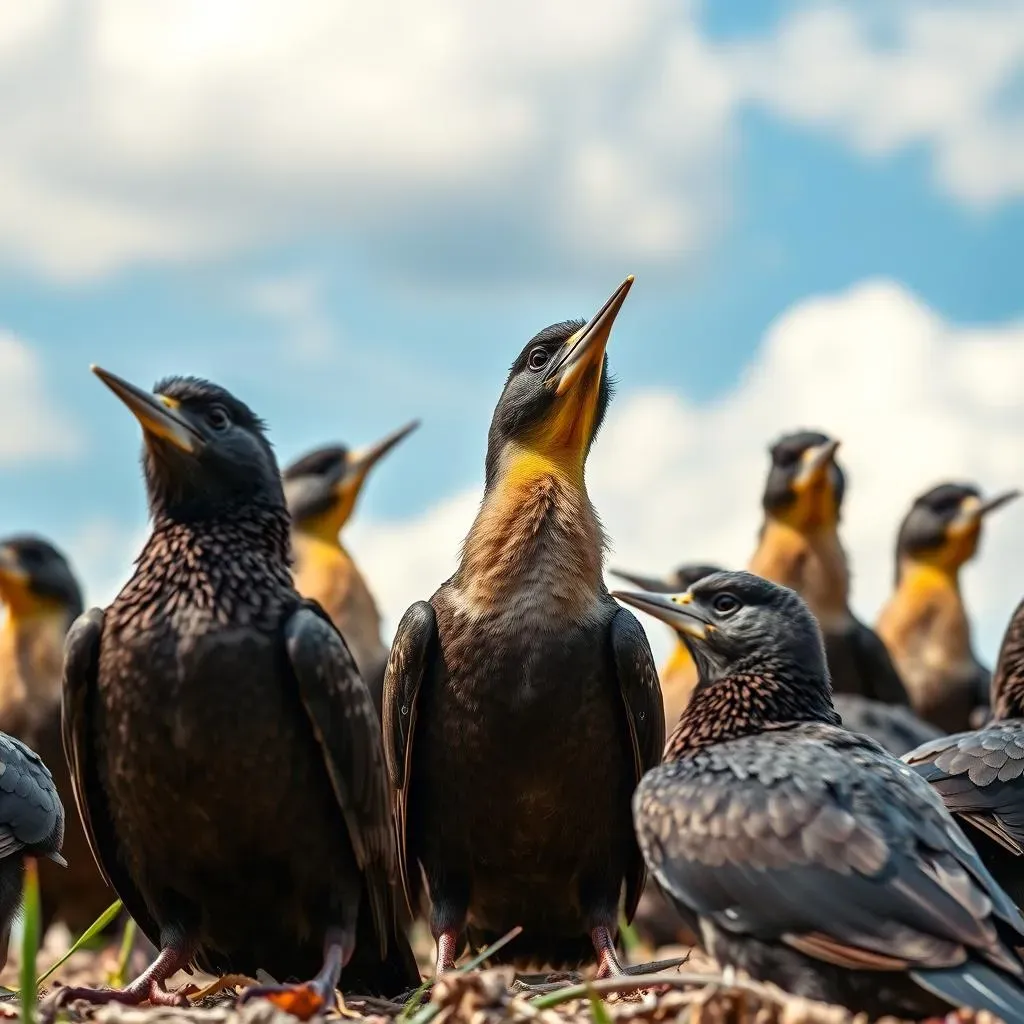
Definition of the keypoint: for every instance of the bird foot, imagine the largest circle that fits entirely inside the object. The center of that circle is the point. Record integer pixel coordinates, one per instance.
(302, 1001)
(656, 966)
(151, 991)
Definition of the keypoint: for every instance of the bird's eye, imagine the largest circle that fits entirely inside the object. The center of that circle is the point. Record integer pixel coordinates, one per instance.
(725, 604)
(537, 359)
(218, 417)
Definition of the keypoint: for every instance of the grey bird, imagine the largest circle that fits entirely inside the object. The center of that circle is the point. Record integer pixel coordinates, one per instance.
(521, 704)
(925, 624)
(980, 774)
(225, 754)
(805, 854)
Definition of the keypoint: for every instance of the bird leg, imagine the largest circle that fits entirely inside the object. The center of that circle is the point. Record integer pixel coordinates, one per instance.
(147, 987)
(307, 998)
(608, 965)
(447, 950)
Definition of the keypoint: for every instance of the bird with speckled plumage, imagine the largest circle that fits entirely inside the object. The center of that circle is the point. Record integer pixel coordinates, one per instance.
(805, 854)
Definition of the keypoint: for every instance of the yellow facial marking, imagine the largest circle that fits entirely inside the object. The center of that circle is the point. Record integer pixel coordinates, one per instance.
(168, 402)
(686, 598)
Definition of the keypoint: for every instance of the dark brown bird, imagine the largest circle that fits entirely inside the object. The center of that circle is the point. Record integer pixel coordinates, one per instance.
(804, 854)
(980, 774)
(925, 624)
(225, 753)
(521, 705)
(42, 599)
(799, 547)
(322, 488)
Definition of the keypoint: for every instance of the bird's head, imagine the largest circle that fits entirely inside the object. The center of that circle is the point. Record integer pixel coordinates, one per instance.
(736, 622)
(554, 400)
(205, 453)
(679, 579)
(943, 526)
(36, 579)
(322, 486)
(805, 484)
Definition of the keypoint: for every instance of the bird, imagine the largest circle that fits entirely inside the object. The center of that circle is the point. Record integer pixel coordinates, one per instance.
(31, 825)
(799, 547)
(225, 754)
(321, 489)
(805, 854)
(679, 674)
(521, 706)
(42, 598)
(924, 624)
(894, 726)
(980, 774)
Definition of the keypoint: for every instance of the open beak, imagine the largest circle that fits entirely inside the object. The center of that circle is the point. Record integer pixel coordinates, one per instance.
(586, 348)
(651, 583)
(973, 510)
(11, 571)
(159, 415)
(360, 463)
(675, 609)
(814, 462)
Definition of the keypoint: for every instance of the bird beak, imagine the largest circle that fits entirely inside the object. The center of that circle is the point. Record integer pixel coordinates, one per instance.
(813, 463)
(361, 462)
(159, 415)
(651, 583)
(675, 609)
(586, 347)
(973, 510)
(11, 571)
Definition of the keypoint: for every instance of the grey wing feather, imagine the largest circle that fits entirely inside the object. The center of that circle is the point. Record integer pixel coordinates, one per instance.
(645, 716)
(893, 726)
(347, 729)
(81, 669)
(408, 666)
(835, 850)
(31, 814)
(978, 775)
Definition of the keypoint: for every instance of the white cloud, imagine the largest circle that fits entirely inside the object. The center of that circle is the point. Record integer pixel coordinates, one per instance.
(457, 137)
(31, 424)
(914, 399)
(295, 304)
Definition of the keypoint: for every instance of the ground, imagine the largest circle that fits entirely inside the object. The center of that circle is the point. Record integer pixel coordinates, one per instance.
(478, 997)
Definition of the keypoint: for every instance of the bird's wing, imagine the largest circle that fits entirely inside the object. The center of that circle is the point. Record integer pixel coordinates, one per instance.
(645, 715)
(825, 844)
(895, 727)
(31, 814)
(347, 729)
(81, 669)
(875, 666)
(978, 775)
(411, 651)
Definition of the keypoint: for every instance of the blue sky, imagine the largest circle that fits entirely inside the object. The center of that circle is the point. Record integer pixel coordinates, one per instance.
(382, 245)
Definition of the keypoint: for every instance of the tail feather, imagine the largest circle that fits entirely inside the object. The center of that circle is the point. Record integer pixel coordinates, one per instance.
(978, 987)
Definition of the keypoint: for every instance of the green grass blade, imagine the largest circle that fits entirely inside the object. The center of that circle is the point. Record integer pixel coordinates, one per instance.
(628, 934)
(94, 929)
(124, 953)
(597, 1008)
(29, 942)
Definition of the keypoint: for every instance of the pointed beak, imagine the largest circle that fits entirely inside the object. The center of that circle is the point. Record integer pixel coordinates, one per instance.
(814, 463)
(973, 510)
(11, 570)
(586, 348)
(159, 415)
(675, 609)
(651, 583)
(361, 462)
(998, 501)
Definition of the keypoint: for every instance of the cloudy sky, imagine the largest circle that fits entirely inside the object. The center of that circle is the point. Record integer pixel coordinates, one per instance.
(354, 214)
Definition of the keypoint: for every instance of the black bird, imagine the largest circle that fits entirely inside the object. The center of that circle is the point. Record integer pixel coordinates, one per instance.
(925, 624)
(321, 489)
(894, 726)
(804, 854)
(980, 774)
(42, 599)
(679, 674)
(799, 547)
(31, 825)
(521, 704)
(225, 753)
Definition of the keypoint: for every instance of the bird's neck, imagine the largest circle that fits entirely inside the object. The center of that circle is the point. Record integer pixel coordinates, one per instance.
(751, 699)
(537, 530)
(31, 654)
(927, 603)
(810, 561)
(1008, 678)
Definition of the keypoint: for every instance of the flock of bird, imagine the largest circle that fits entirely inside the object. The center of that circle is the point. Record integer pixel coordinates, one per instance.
(267, 788)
